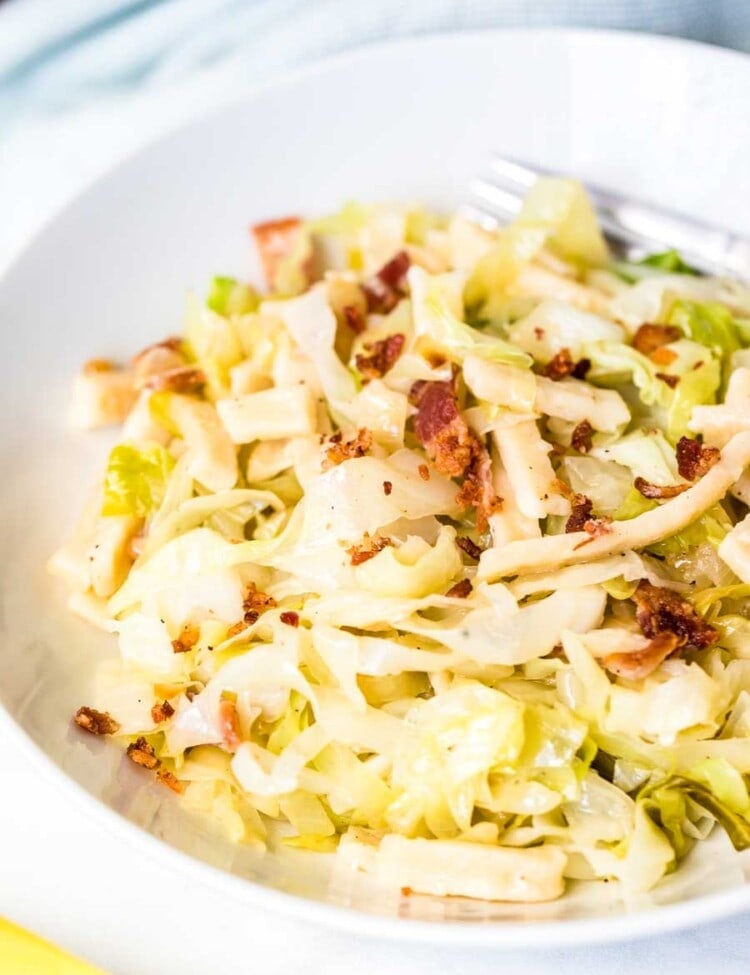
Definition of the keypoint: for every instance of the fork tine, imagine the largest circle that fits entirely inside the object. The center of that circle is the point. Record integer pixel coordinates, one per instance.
(515, 172)
(495, 200)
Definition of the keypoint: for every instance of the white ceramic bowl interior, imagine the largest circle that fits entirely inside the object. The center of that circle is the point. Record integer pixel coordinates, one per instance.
(662, 120)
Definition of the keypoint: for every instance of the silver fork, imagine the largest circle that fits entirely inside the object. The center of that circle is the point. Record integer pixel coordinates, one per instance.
(633, 229)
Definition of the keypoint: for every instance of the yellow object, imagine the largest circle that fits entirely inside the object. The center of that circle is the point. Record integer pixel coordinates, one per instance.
(23, 953)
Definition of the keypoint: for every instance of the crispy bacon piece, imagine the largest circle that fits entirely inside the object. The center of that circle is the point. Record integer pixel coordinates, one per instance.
(660, 610)
(453, 447)
(478, 489)
(461, 590)
(694, 459)
(562, 364)
(368, 548)
(387, 287)
(441, 429)
(354, 318)
(598, 526)
(170, 780)
(581, 368)
(183, 379)
(469, 547)
(189, 636)
(387, 487)
(382, 355)
(671, 381)
(275, 240)
(649, 337)
(581, 513)
(290, 618)
(255, 603)
(229, 725)
(96, 722)
(161, 712)
(636, 666)
(341, 450)
(143, 754)
(581, 439)
(658, 491)
(424, 472)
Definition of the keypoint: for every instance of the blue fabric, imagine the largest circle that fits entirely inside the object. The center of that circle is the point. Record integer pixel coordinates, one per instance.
(58, 54)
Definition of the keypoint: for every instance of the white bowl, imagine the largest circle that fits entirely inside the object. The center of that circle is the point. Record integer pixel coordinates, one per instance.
(660, 119)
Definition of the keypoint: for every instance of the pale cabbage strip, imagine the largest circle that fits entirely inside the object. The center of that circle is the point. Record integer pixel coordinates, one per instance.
(437, 554)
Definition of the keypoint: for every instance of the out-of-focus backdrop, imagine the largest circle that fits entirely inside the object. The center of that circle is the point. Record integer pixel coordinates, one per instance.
(83, 82)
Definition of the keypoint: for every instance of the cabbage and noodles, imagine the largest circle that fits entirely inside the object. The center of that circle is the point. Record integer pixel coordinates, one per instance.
(436, 553)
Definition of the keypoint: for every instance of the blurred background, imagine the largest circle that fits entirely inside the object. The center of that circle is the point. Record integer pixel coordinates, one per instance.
(84, 82)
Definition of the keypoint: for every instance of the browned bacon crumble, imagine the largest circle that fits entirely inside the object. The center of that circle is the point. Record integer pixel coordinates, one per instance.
(694, 459)
(182, 379)
(387, 287)
(143, 754)
(658, 491)
(161, 712)
(387, 487)
(580, 514)
(469, 547)
(341, 450)
(424, 472)
(170, 780)
(671, 381)
(598, 526)
(289, 617)
(478, 490)
(660, 610)
(581, 438)
(368, 548)
(461, 590)
(562, 364)
(381, 356)
(189, 636)
(96, 722)
(255, 603)
(354, 318)
(649, 337)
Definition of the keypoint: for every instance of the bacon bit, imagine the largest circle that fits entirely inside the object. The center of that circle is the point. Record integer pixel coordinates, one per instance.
(255, 603)
(694, 459)
(94, 366)
(170, 780)
(441, 429)
(478, 490)
(469, 547)
(581, 513)
(387, 487)
(143, 754)
(461, 590)
(367, 549)
(387, 287)
(182, 379)
(424, 472)
(560, 365)
(641, 663)
(671, 381)
(339, 451)
(598, 526)
(539, 333)
(581, 368)
(663, 356)
(649, 337)
(229, 725)
(189, 636)
(161, 712)
(290, 618)
(382, 355)
(236, 628)
(660, 610)
(658, 491)
(453, 447)
(354, 318)
(406, 891)
(275, 240)
(581, 439)
(96, 722)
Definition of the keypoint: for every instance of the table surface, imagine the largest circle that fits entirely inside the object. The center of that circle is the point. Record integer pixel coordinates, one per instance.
(64, 875)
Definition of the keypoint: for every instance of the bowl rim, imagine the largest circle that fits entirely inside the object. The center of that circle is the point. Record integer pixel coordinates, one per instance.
(657, 920)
